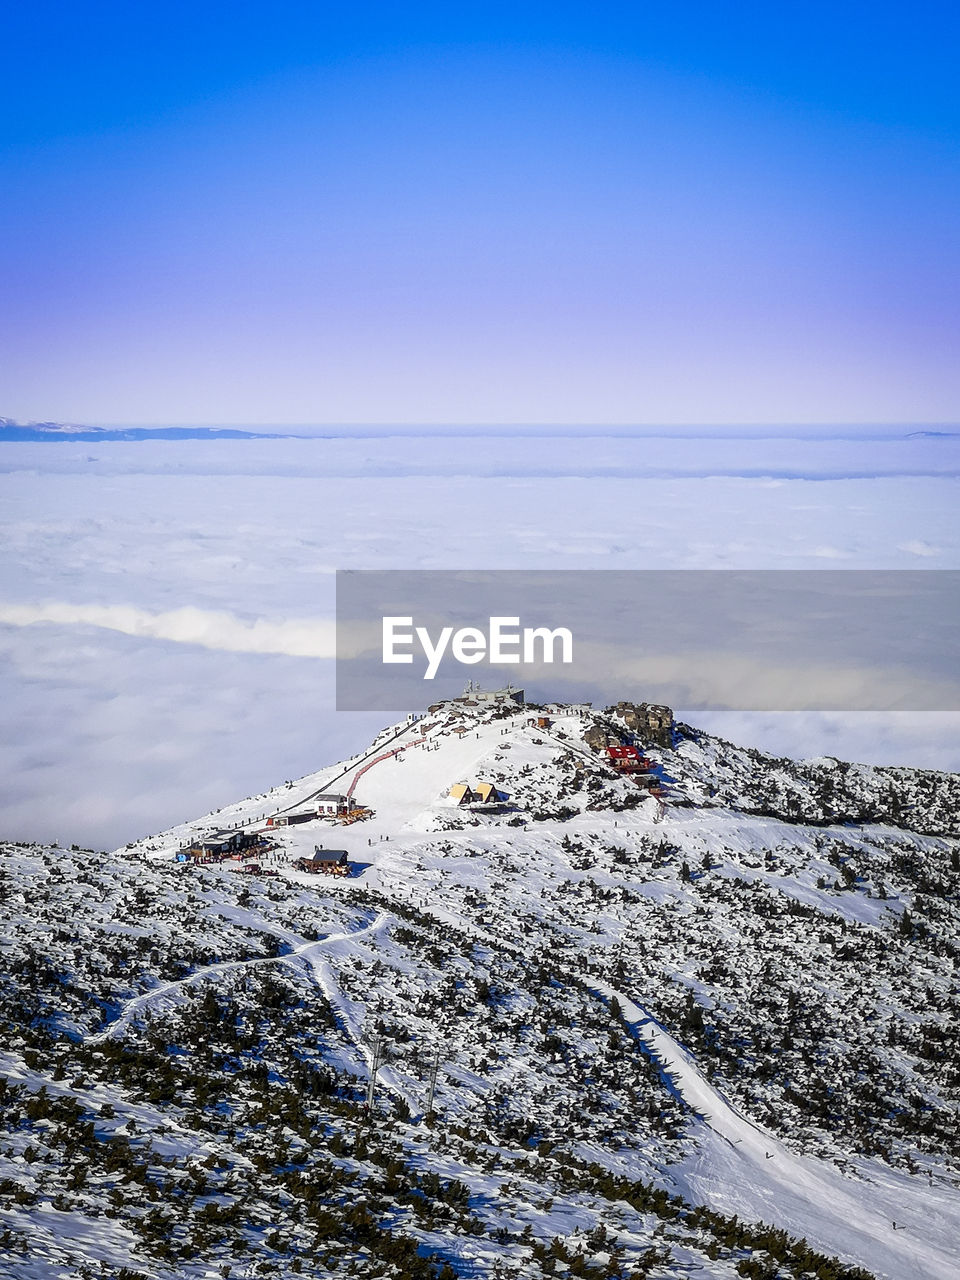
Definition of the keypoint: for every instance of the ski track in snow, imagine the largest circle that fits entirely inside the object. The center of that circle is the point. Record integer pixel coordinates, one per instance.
(133, 1008)
(742, 1168)
(352, 1015)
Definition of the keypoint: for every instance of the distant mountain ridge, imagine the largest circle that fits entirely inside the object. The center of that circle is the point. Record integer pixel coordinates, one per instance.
(57, 432)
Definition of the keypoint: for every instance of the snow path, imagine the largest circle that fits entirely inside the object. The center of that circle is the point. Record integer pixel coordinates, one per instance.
(742, 1168)
(360, 761)
(384, 755)
(133, 1008)
(352, 1015)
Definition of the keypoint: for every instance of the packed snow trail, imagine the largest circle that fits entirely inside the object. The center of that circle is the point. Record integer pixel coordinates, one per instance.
(351, 768)
(306, 950)
(386, 755)
(744, 1169)
(740, 1168)
(352, 1015)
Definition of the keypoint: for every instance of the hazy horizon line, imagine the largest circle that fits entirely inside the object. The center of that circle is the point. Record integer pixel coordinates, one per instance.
(58, 430)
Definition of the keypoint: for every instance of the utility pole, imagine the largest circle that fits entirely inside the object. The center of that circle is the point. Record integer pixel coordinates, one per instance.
(434, 1069)
(379, 1056)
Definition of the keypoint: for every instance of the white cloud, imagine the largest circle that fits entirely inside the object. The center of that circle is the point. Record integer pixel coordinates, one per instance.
(929, 740)
(715, 678)
(107, 737)
(917, 547)
(208, 628)
(830, 553)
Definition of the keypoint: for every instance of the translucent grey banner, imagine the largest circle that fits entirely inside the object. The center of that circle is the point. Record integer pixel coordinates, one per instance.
(765, 640)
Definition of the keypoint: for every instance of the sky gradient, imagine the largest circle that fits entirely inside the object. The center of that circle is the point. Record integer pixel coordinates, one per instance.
(697, 213)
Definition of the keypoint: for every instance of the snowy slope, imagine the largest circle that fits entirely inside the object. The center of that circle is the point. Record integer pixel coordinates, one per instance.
(633, 1008)
(893, 1223)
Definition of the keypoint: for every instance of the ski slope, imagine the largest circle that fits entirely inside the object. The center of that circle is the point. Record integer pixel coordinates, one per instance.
(888, 1224)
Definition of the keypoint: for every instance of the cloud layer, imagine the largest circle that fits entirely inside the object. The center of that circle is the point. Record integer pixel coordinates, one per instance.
(140, 683)
(208, 628)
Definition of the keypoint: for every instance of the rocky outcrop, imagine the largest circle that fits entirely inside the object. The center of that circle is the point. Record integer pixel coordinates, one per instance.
(649, 722)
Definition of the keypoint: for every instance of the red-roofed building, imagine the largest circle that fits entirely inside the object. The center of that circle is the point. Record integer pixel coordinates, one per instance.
(628, 760)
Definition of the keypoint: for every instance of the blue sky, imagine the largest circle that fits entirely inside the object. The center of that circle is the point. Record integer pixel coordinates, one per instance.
(685, 213)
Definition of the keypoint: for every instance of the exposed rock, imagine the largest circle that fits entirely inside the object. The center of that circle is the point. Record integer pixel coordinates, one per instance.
(648, 721)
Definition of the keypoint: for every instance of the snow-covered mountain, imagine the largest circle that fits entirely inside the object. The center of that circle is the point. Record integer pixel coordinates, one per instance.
(703, 1026)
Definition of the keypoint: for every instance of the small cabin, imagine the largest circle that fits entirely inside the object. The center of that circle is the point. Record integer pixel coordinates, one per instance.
(332, 804)
(486, 793)
(462, 793)
(292, 819)
(229, 841)
(473, 694)
(217, 845)
(539, 722)
(326, 862)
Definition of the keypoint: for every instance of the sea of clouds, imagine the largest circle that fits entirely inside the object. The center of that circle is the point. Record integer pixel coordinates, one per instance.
(166, 607)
